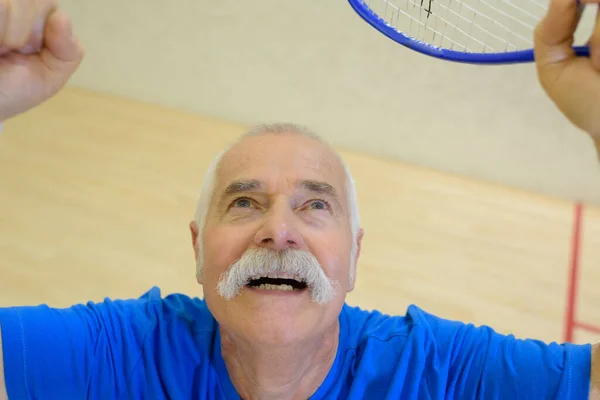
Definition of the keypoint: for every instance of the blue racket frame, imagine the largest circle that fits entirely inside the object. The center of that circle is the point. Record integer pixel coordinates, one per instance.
(514, 57)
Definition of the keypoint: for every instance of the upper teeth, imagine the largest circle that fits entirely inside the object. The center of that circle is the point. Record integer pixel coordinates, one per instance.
(277, 276)
(268, 286)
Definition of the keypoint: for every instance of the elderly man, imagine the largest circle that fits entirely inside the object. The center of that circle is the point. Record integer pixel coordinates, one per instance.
(277, 239)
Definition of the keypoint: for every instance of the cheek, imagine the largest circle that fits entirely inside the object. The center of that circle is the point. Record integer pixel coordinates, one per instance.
(222, 247)
(333, 255)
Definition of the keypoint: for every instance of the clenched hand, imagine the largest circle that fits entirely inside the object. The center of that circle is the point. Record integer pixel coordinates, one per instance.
(38, 53)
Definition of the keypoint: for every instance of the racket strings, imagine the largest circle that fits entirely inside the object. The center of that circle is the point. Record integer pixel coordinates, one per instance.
(484, 26)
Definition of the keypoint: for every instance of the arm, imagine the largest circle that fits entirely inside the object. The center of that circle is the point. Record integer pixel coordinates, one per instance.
(478, 363)
(58, 55)
(573, 84)
(47, 352)
(76, 352)
(40, 30)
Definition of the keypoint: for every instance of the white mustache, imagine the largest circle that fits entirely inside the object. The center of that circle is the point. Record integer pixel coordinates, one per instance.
(261, 262)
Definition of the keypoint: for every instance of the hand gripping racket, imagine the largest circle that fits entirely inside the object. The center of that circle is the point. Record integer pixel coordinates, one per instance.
(467, 31)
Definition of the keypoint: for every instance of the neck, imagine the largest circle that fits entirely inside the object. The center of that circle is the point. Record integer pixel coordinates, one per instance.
(279, 372)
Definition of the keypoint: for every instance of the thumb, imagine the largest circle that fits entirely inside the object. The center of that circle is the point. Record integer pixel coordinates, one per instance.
(553, 40)
(554, 33)
(62, 52)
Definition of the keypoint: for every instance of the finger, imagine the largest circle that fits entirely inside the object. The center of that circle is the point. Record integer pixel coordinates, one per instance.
(560, 22)
(4, 14)
(43, 10)
(20, 24)
(62, 51)
(594, 43)
(553, 38)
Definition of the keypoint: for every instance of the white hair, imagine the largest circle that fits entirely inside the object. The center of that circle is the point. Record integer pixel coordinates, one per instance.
(208, 187)
(299, 265)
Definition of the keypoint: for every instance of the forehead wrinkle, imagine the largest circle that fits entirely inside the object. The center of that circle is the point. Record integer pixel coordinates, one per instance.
(239, 161)
(264, 147)
(320, 173)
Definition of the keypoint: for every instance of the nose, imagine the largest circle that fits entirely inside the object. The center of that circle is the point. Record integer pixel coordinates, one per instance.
(279, 230)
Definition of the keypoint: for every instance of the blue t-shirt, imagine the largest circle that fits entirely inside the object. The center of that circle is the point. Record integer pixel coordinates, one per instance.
(169, 348)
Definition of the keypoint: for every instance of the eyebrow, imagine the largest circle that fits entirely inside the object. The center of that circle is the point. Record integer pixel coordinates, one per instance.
(318, 187)
(236, 187)
(249, 185)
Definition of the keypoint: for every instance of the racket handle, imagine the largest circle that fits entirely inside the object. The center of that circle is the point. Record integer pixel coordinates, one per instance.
(582, 51)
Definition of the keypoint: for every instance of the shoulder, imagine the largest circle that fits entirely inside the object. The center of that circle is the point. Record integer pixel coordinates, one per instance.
(153, 310)
(428, 343)
(191, 310)
(133, 316)
(445, 356)
(149, 321)
(108, 347)
(414, 322)
(167, 341)
(378, 348)
(418, 333)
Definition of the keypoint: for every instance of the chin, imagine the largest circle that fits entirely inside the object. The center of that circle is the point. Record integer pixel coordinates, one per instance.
(274, 322)
(275, 334)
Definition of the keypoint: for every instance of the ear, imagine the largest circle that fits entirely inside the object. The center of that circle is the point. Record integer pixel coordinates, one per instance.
(195, 232)
(359, 238)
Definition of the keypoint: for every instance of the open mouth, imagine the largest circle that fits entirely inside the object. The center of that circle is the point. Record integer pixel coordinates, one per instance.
(282, 284)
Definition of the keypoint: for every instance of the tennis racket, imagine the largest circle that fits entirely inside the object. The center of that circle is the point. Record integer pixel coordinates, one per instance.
(467, 31)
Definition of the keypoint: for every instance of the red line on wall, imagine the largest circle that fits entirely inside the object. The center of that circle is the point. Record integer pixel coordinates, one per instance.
(570, 314)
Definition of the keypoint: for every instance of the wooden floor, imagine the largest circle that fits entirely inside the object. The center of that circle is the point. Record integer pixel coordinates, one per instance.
(96, 195)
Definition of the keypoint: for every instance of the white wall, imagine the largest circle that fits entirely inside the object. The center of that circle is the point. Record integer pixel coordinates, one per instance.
(315, 62)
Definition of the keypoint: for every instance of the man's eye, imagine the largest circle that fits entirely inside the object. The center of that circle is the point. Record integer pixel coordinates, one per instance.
(242, 202)
(319, 205)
